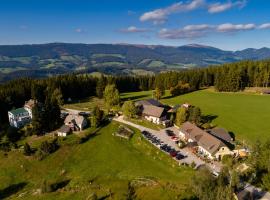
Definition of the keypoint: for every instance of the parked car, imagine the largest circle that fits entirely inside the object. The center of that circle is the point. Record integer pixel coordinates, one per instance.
(170, 133)
(179, 156)
(173, 153)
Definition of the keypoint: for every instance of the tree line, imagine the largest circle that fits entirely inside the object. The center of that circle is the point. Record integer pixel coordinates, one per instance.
(228, 77)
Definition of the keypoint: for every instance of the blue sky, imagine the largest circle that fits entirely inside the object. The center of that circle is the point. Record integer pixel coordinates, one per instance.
(227, 24)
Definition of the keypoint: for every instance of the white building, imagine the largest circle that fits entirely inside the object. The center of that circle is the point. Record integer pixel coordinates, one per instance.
(152, 110)
(21, 116)
(207, 144)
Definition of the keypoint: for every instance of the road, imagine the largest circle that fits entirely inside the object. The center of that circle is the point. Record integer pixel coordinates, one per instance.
(73, 111)
(161, 134)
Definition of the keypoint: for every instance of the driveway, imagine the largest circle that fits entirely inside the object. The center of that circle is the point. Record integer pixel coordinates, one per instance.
(161, 134)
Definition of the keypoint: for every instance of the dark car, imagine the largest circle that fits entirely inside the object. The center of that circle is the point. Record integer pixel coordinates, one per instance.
(179, 156)
(170, 133)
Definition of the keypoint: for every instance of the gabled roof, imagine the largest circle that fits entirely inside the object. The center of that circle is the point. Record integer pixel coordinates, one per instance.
(18, 111)
(64, 129)
(148, 102)
(77, 119)
(221, 133)
(204, 139)
(210, 143)
(153, 111)
(30, 104)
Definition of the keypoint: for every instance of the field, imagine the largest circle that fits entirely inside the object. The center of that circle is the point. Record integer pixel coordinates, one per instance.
(105, 165)
(244, 114)
(86, 104)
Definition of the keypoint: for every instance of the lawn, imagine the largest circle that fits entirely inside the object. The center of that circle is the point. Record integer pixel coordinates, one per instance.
(86, 104)
(103, 165)
(244, 114)
(145, 123)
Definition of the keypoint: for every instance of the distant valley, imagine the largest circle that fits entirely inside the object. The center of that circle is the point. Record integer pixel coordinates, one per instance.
(58, 58)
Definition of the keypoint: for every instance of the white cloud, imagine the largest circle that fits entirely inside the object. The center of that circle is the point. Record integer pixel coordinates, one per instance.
(134, 29)
(264, 26)
(188, 32)
(202, 30)
(221, 7)
(235, 27)
(160, 16)
(199, 27)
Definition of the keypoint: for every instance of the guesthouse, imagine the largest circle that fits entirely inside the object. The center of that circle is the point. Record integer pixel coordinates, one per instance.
(207, 145)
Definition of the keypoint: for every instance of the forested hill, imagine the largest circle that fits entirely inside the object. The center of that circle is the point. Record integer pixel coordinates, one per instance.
(58, 58)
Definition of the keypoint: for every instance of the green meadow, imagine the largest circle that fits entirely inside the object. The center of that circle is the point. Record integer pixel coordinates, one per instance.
(104, 165)
(247, 115)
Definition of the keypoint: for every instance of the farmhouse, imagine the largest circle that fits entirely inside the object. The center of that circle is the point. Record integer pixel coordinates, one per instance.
(76, 122)
(63, 131)
(21, 116)
(207, 144)
(152, 110)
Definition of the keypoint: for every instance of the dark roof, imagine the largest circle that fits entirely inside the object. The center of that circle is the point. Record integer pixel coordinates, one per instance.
(18, 111)
(221, 133)
(64, 129)
(153, 111)
(149, 102)
(204, 139)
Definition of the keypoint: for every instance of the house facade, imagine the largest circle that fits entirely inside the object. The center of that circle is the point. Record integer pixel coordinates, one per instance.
(64, 131)
(207, 145)
(152, 110)
(21, 116)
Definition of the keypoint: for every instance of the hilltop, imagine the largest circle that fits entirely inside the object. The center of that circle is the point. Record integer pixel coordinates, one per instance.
(41, 60)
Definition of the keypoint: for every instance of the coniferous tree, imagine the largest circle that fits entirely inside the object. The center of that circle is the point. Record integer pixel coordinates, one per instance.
(101, 84)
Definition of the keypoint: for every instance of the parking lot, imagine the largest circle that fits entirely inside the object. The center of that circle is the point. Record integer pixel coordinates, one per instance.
(164, 139)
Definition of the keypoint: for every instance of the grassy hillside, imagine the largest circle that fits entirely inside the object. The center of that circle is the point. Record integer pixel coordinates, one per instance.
(246, 115)
(102, 165)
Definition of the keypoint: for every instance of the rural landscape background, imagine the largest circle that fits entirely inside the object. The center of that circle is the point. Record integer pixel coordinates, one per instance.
(154, 100)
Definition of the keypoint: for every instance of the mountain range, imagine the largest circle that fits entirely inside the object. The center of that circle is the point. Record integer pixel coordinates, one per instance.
(41, 60)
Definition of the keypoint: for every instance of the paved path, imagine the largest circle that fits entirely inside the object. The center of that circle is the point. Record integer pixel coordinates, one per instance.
(161, 134)
(74, 111)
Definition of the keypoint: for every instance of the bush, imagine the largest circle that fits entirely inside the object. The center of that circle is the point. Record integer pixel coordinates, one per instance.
(27, 149)
(46, 148)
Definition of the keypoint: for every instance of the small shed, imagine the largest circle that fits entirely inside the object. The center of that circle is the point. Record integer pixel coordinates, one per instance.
(64, 131)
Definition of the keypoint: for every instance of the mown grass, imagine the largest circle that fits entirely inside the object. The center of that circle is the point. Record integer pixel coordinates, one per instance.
(86, 104)
(145, 123)
(244, 114)
(103, 165)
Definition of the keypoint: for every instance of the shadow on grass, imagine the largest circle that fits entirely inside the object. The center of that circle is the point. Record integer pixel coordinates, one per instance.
(60, 185)
(95, 133)
(134, 98)
(12, 189)
(105, 197)
(209, 118)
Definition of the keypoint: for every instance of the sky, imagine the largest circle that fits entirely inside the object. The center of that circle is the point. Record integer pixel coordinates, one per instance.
(226, 24)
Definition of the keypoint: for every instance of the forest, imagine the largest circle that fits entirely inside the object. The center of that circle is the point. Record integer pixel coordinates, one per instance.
(226, 78)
